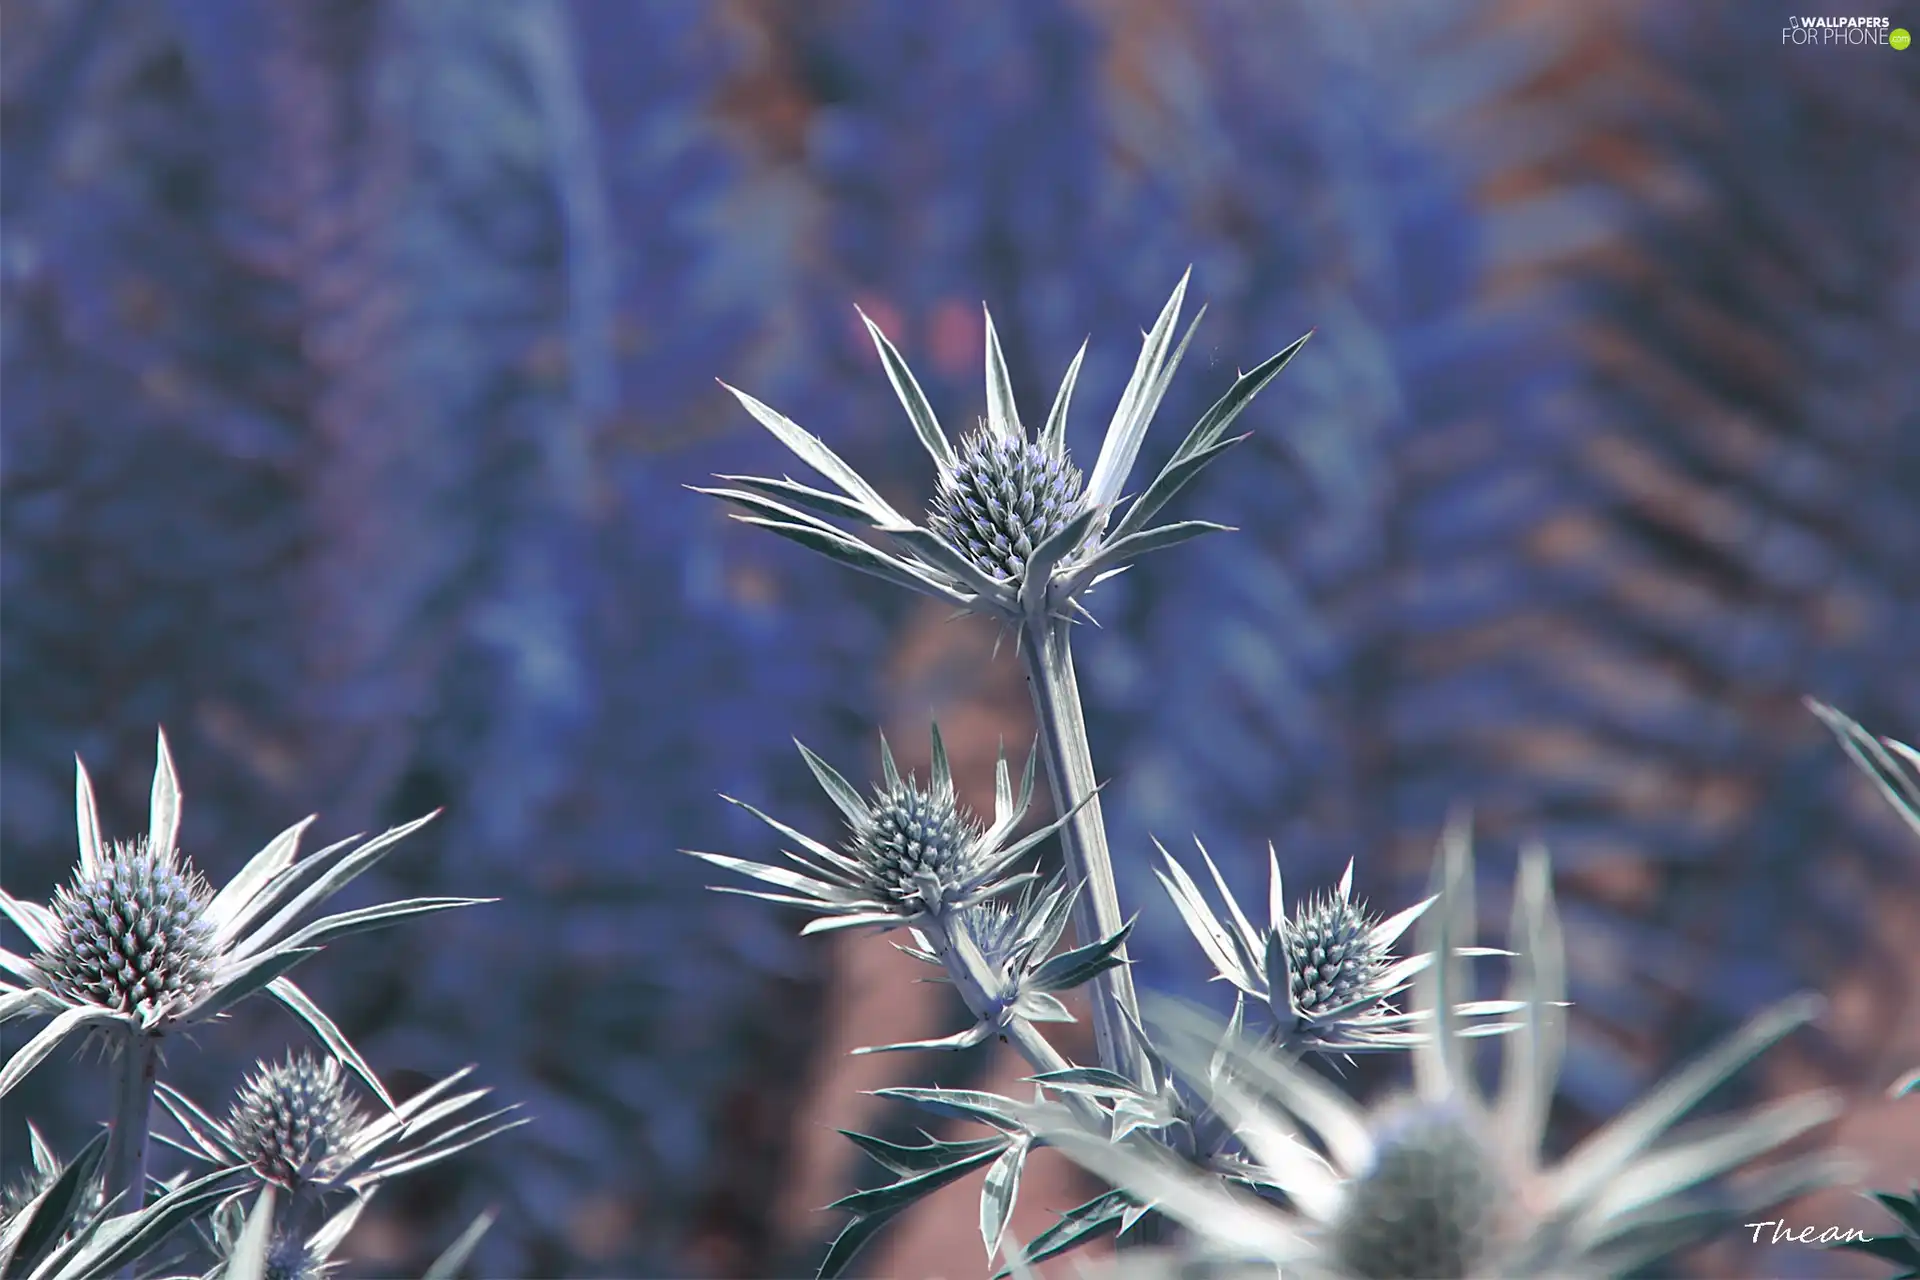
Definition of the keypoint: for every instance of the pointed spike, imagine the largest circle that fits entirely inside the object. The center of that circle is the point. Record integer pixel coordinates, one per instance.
(87, 817)
(942, 769)
(163, 823)
(888, 769)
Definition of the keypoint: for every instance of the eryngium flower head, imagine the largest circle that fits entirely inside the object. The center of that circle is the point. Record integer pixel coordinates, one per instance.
(133, 934)
(912, 835)
(1328, 974)
(1447, 1184)
(138, 944)
(295, 1125)
(1012, 532)
(291, 1118)
(912, 851)
(1004, 497)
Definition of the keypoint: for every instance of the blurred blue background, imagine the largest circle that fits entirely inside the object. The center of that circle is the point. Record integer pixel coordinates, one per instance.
(357, 354)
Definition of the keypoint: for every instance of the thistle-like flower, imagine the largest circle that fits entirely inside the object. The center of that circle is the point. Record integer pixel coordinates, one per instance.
(139, 942)
(999, 955)
(1012, 532)
(1445, 1182)
(912, 851)
(295, 1125)
(1327, 974)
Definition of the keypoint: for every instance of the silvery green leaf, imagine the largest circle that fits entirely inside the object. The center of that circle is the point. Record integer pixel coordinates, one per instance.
(767, 508)
(336, 878)
(1092, 1082)
(838, 789)
(1003, 419)
(930, 1155)
(814, 452)
(232, 907)
(976, 1034)
(1129, 425)
(819, 501)
(335, 927)
(87, 820)
(16, 1004)
(1057, 546)
(1053, 438)
(447, 1266)
(1038, 1006)
(1597, 1159)
(1905, 1208)
(1880, 760)
(962, 1104)
(934, 549)
(163, 813)
(1135, 545)
(49, 1038)
(249, 1258)
(912, 399)
(874, 1209)
(31, 919)
(1713, 1149)
(256, 973)
(858, 555)
(1069, 969)
(119, 1241)
(303, 1008)
(1001, 1189)
(941, 767)
(1203, 443)
(56, 1212)
(825, 853)
(206, 1133)
(1206, 929)
(1100, 1216)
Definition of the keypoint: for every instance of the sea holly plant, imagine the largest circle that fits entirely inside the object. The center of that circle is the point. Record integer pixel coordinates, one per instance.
(1443, 1180)
(1015, 532)
(1895, 770)
(1197, 1124)
(138, 948)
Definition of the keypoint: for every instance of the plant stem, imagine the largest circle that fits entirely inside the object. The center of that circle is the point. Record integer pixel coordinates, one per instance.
(127, 1147)
(1096, 912)
(975, 983)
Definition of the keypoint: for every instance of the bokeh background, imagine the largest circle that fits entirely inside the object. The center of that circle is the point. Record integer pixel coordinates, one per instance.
(357, 354)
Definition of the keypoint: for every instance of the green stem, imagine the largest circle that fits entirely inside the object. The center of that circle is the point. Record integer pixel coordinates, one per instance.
(127, 1147)
(1096, 912)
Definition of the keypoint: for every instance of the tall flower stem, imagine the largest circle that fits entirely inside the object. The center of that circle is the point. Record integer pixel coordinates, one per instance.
(1096, 912)
(133, 1110)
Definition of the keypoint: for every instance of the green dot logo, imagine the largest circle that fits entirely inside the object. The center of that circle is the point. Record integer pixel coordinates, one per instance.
(1899, 38)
